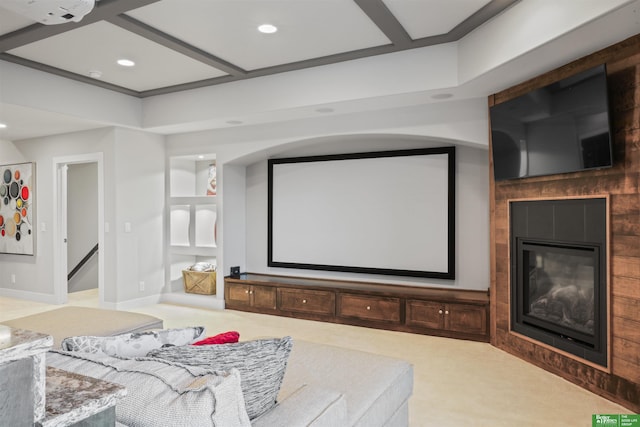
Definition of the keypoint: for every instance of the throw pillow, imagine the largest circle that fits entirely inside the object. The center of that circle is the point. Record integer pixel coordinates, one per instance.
(223, 338)
(262, 364)
(161, 393)
(134, 344)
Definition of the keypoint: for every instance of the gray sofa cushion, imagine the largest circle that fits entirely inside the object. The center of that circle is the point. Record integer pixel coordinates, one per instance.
(135, 344)
(262, 364)
(309, 406)
(375, 386)
(161, 393)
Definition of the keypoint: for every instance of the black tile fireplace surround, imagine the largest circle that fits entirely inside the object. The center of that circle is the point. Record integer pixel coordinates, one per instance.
(559, 274)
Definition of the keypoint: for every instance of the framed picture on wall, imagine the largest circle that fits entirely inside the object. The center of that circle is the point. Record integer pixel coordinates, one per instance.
(17, 208)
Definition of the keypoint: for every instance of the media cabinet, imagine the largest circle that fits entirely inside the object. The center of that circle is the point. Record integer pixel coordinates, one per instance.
(444, 312)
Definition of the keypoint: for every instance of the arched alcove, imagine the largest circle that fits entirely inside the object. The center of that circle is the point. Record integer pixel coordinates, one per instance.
(244, 195)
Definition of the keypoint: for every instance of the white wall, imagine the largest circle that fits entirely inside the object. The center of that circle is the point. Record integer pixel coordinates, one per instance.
(34, 275)
(139, 184)
(133, 193)
(472, 224)
(381, 78)
(13, 264)
(134, 167)
(9, 153)
(232, 202)
(26, 87)
(241, 157)
(529, 26)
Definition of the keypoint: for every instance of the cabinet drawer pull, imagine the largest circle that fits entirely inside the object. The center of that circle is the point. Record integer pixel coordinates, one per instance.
(446, 312)
(439, 311)
(304, 301)
(368, 307)
(250, 292)
(246, 291)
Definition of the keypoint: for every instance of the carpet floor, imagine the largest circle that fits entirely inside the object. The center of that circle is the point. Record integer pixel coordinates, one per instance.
(457, 383)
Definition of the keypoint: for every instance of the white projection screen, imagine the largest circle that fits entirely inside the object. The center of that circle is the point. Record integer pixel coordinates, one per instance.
(389, 212)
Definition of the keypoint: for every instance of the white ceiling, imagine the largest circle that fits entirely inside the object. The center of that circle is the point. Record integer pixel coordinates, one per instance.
(204, 42)
(179, 45)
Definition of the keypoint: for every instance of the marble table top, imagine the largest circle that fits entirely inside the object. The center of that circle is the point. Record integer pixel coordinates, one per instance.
(73, 397)
(22, 343)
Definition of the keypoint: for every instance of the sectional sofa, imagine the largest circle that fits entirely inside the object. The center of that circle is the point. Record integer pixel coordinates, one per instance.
(318, 385)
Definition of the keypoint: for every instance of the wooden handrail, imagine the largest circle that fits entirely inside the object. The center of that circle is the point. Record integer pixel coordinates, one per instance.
(82, 262)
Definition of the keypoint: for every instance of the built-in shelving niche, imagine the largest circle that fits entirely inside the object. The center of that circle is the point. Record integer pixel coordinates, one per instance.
(192, 223)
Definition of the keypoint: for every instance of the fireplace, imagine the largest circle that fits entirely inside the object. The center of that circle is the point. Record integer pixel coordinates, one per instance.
(558, 280)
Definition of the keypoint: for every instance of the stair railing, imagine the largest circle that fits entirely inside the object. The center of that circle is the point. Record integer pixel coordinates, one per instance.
(82, 262)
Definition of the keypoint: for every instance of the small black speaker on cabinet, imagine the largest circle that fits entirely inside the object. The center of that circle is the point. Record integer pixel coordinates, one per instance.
(235, 272)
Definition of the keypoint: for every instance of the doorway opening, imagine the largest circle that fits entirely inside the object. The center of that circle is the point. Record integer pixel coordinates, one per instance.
(78, 225)
(82, 227)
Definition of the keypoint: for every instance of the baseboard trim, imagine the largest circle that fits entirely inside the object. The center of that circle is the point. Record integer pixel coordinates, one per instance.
(133, 303)
(200, 301)
(29, 296)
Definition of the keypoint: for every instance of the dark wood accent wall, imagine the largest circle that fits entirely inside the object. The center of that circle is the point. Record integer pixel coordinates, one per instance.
(622, 183)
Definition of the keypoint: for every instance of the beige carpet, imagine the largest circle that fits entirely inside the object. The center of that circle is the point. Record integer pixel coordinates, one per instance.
(457, 383)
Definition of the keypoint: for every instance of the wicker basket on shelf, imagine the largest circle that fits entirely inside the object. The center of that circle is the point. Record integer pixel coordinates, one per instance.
(199, 282)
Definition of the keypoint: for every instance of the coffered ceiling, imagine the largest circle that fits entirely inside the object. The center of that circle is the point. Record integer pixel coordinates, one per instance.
(203, 65)
(185, 44)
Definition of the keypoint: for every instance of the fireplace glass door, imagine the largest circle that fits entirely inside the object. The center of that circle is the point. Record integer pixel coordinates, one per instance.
(558, 269)
(558, 289)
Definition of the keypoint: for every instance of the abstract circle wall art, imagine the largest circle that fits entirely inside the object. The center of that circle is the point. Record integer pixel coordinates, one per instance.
(17, 208)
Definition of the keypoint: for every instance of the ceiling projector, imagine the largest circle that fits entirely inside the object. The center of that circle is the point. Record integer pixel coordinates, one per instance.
(50, 12)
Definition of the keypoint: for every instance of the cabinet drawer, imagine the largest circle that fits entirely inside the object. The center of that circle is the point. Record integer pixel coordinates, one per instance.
(307, 301)
(467, 319)
(264, 297)
(470, 319)
(369, 307)
(426, 314)
(239, 294)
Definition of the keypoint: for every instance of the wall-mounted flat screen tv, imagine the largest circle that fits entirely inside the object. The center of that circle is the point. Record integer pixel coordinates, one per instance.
(562, 127)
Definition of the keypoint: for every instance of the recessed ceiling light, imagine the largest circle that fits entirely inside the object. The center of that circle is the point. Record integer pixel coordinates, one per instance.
(200, 156)
(267, 28)
(95, 74)
(325, 110)
(126, 62)
(234, 122)
(2, 126)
